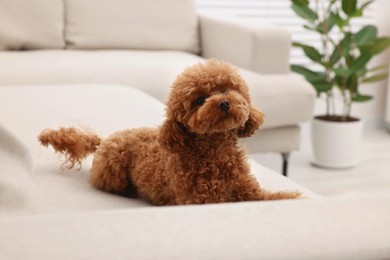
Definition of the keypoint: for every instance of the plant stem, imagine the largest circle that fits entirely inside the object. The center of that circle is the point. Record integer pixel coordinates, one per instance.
(347, 101)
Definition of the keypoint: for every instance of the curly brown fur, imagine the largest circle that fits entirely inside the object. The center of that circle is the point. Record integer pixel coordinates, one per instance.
(73, 143)
(192, 158)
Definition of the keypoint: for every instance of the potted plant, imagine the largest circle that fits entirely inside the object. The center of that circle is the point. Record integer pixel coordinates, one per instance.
(342, 62)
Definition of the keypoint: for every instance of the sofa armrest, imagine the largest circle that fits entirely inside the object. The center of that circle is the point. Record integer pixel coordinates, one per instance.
(250, 45)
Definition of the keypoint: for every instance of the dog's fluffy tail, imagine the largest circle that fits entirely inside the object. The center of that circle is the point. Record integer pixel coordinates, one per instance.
(75, 144)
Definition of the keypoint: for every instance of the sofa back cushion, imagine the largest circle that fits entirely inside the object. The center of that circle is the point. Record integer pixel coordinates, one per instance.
(131, 24)
(31, 24)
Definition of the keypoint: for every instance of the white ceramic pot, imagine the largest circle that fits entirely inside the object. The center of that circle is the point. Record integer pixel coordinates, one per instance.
(335, 144)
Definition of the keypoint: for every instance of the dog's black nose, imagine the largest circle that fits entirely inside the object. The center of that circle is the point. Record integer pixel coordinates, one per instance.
(224, 105)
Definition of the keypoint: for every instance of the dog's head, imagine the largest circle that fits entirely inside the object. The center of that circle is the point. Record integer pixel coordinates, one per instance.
(209, 98)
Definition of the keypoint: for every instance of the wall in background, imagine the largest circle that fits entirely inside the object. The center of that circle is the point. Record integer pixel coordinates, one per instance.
(279, 12)
(373, 112)
(383, 21)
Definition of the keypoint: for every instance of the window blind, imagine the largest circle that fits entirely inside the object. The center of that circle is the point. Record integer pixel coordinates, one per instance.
(277, 12)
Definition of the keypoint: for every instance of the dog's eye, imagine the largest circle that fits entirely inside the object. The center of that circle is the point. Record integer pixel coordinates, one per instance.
(200, 101)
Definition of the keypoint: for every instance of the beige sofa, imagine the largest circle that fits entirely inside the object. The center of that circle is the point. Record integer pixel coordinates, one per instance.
(89, 63)
(49, 213)
(145, 44)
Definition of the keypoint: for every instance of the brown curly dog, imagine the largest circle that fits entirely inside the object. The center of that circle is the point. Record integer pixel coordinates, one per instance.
(192, 158)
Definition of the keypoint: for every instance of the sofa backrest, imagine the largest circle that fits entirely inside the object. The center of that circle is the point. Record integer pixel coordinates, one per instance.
(31, 24)
(99, 24)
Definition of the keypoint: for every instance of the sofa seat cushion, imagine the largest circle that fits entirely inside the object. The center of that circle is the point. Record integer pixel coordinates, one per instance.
(136, 24)
(32, 24)
(30, 175)
(277, 139)
(286, 99)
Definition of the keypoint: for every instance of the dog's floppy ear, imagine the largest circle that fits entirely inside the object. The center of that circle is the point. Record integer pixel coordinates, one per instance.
(255, 120)
(172, 135)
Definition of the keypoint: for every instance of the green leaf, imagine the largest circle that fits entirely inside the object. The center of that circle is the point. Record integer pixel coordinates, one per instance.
(357, 13)
(366, 4)
(308, 27)
(348, 6)
(361, 98)
(360, 62)
(326, 25)
(349, 60)
(316, 79)
(361, 72)
(366, 35)
(311, 76)
(322, 86)
(341, 81)
(301, 2)
(345, 45)
(342, 72)
(339, 20)
(310, 52)
(375, 78)
(352, 83)
(303, 71)
(298, 44)
(305, 12)
(379, 45)
(335, 57)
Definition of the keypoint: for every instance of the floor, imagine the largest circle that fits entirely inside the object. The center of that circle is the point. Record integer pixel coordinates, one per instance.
(370, 177)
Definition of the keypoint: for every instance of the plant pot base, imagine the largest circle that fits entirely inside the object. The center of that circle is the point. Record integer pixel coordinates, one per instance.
(333, 166)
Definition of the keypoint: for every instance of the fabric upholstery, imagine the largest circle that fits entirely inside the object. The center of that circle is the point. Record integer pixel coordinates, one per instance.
(30, 168)
(137, 24)
(147, 43)
(276, 139)
(286, 99)
(247, 43)
(30, 175)
(342, 228)
(32, 24)
(46, 213)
